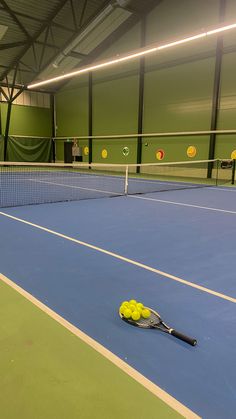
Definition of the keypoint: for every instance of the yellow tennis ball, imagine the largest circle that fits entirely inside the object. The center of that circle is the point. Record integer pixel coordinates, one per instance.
(140, 305)
(127, 313)
(146, 313)
(132, 307)
(125, 303)
(122, 309)
(136, 315)
(132, 301)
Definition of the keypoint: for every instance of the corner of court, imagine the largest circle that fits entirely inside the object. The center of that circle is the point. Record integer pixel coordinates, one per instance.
(48, 372)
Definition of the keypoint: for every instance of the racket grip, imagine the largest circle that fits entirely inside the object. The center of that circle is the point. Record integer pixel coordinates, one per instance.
(185, 338)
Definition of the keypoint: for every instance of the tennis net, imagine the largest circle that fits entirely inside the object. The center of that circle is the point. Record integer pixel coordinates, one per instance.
(37, 183)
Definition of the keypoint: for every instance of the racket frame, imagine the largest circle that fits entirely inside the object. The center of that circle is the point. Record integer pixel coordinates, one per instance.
(159, 324)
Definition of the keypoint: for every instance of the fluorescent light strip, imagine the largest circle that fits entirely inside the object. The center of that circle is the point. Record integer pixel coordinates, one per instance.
(183, 41)
(141, 53)
(222, 29)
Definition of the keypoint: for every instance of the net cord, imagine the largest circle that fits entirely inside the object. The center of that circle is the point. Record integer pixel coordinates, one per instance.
(112, 165)
(152, 134)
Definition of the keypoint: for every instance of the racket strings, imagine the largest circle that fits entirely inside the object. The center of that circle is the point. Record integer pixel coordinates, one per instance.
(153, 320)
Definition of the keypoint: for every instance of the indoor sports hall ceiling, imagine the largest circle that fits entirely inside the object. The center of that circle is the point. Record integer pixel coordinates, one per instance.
(43, 39)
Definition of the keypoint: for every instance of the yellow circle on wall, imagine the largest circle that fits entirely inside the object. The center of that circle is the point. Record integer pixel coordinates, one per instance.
(191, 151)
(233, 154)
(86, 151)
(160, 154)
(104, 153)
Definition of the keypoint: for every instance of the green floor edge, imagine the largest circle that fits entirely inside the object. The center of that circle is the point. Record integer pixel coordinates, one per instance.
(47, 372)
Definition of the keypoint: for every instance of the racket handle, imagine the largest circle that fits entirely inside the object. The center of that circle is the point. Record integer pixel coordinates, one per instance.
(185, 338)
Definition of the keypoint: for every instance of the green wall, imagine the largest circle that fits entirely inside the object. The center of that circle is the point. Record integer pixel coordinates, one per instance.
(114, 150)
(72, 111)
(174, 100)
(115, 103)
(72, 114)
(1, 148)
(115, 106)
(178, 90)
(227, 107)
(27, 120)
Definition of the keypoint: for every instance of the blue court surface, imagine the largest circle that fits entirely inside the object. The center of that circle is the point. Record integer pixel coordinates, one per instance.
(174, 251)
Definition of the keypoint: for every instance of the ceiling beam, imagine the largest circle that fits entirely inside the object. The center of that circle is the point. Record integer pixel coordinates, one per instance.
(36, 19)
(75, 34)
(118, 33)
(82, 13)
(73, 15)
(12, 45)
(3, 93)
(113, 37)
(22, 87)
(31, 41)
(16, 20)
(74, 54)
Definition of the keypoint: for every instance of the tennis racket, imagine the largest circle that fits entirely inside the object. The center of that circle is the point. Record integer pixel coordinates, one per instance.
(155, 322)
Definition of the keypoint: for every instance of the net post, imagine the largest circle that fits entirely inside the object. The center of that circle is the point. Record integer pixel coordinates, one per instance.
(126, 179)
(233, 171)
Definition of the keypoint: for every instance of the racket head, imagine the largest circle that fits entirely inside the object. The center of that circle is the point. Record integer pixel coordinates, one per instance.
(151, 322)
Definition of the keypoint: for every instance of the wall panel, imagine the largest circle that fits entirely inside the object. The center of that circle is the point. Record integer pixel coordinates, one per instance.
(28, 121)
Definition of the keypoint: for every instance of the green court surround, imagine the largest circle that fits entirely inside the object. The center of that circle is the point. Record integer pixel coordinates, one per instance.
(47, 372)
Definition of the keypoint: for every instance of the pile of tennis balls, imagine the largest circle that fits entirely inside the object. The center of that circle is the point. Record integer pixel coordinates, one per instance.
(134, 310)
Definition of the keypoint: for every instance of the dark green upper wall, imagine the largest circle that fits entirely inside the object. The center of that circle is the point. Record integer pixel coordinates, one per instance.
(176, 19)
(178, 87)
(115, 106)
(174, 100)
(178, 91)
(115, 96)
(72, 109)
(27, 120)
(115, 91)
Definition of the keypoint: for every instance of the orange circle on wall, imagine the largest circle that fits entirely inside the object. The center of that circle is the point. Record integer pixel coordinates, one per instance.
(191, 151)
(104, 153)
(233, 154)
(160, 154)
(86, 151)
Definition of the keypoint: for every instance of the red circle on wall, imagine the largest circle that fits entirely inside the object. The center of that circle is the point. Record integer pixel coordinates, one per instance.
(160, 154)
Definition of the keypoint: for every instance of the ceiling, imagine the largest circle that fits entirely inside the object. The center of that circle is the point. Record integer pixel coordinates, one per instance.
(43, 39)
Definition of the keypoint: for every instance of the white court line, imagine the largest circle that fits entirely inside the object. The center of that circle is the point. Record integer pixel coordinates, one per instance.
(124, 259)
(131, 180)
(181, 204)
(219, 188)
(74, 187)
(183, 185)
(149, 385)
(178, 185)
